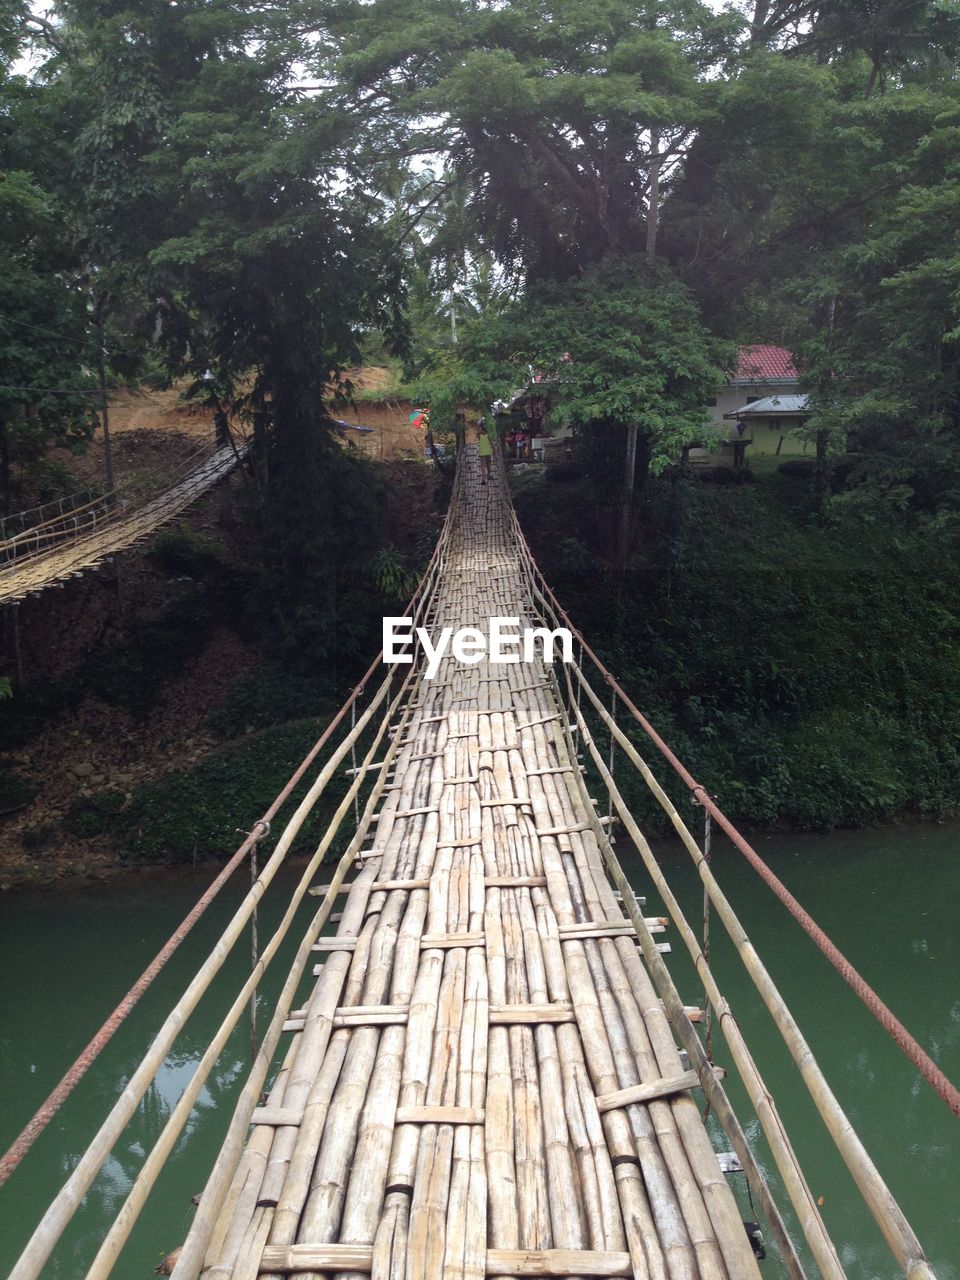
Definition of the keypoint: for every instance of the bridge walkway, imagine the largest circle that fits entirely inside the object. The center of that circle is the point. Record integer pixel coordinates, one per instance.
(482, 1080)
(484, 1075)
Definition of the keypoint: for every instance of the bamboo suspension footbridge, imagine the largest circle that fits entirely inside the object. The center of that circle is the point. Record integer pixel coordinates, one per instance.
(74, 540)
(486, 1069)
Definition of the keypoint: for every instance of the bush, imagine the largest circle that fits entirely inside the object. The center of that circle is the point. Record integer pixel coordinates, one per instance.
(181, 551)
(15, 792)
(271, 696)
(132, 675)
(805, 675)
(199, 814)
(91, 816)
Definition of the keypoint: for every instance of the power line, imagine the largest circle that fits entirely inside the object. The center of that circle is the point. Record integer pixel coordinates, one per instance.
(40, 328)
(55, 391)
(81, 342)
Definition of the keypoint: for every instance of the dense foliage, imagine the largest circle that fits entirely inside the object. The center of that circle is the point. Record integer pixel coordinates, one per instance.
(607, 196)
(805, 675)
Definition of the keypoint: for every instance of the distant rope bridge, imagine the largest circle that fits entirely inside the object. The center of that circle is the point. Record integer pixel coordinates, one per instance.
(67, 541)
(490, 1071)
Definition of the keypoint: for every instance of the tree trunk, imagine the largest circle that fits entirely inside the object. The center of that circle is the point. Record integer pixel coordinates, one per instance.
(223, 438)
(757, 23)
(104, 412)
(626, 501)
(653, 198)
(4, 468)
(15, 636)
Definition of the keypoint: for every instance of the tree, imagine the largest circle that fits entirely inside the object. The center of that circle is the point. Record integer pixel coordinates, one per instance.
(888, 380)
(216, 217)
(44, 392)
(565, 128)
(621, 350)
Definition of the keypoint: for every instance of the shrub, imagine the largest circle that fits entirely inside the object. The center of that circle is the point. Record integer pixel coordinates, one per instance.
(15, 792)
(199, 813)
(181, 551)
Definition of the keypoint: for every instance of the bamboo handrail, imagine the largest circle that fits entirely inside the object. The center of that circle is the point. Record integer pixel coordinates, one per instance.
(912, 1050)
(211, 1201)
(54, 1221)
(887, 1213)
(59, 1213)
(814, 1230)
(152, 1167)
(675, 1009)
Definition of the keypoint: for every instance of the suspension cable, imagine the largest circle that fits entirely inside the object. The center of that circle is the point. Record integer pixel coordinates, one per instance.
(913, 1051)
(72, 1077)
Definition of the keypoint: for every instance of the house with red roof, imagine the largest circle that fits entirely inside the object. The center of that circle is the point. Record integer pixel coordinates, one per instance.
(760, 407)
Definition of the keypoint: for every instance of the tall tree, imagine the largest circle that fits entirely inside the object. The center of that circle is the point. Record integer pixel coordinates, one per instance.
(45, 389)
(567, 123)
(621, 352)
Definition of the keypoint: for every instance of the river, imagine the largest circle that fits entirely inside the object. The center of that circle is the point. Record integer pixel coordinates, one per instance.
(887, 897)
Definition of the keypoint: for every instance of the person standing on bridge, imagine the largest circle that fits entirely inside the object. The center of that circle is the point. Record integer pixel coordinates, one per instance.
(484, 451)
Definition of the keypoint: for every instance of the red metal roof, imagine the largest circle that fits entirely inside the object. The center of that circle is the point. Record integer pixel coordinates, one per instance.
(762, 362)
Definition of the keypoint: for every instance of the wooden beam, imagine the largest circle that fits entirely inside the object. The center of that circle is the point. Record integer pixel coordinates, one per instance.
(557, 1262)
(515, 882)
(277, 1259)
(430, 940)
(647, 1092)
(439, 1115)
(277, 1117)
(530, 1014)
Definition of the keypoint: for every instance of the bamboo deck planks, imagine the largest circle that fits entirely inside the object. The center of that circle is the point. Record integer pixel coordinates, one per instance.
(483, 1081)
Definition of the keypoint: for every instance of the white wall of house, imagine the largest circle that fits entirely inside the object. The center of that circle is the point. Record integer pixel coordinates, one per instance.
(736, 395)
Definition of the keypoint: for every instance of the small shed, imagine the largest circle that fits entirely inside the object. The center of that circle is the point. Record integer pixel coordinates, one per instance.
(770, 422)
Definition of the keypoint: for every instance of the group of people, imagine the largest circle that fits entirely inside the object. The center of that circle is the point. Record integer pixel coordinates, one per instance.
(518, 445)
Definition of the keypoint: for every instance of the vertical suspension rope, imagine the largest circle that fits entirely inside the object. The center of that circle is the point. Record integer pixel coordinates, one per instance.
(353, 761)
(707, 1010)
(610, 758)
(254, 953)
(579, 668)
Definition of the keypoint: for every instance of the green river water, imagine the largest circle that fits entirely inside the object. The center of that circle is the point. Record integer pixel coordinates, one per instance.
(888, 897)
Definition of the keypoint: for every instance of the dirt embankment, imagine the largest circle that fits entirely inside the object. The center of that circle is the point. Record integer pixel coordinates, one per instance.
(91, 744)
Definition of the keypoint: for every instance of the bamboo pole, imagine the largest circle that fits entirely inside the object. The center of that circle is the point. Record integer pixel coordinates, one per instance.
(59, 1213)
(218, 1183)
(893, 1224)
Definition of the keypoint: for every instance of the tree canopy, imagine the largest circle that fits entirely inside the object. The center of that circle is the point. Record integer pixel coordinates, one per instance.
(269, 192)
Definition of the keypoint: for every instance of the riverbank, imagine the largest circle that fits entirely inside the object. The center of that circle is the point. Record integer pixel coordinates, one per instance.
(157, 705)
(807, 672)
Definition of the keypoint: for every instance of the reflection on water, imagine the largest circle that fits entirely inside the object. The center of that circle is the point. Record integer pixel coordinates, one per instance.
(888, 898)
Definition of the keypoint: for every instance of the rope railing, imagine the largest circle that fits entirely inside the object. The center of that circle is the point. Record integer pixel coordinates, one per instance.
(917, 1055)
(61, 1210)
(893, 1224)
(112, 506)
(103, 506)
(31, 517)
(90, 546)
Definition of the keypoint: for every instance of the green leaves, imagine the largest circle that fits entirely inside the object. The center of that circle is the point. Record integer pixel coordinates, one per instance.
(622, 345)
